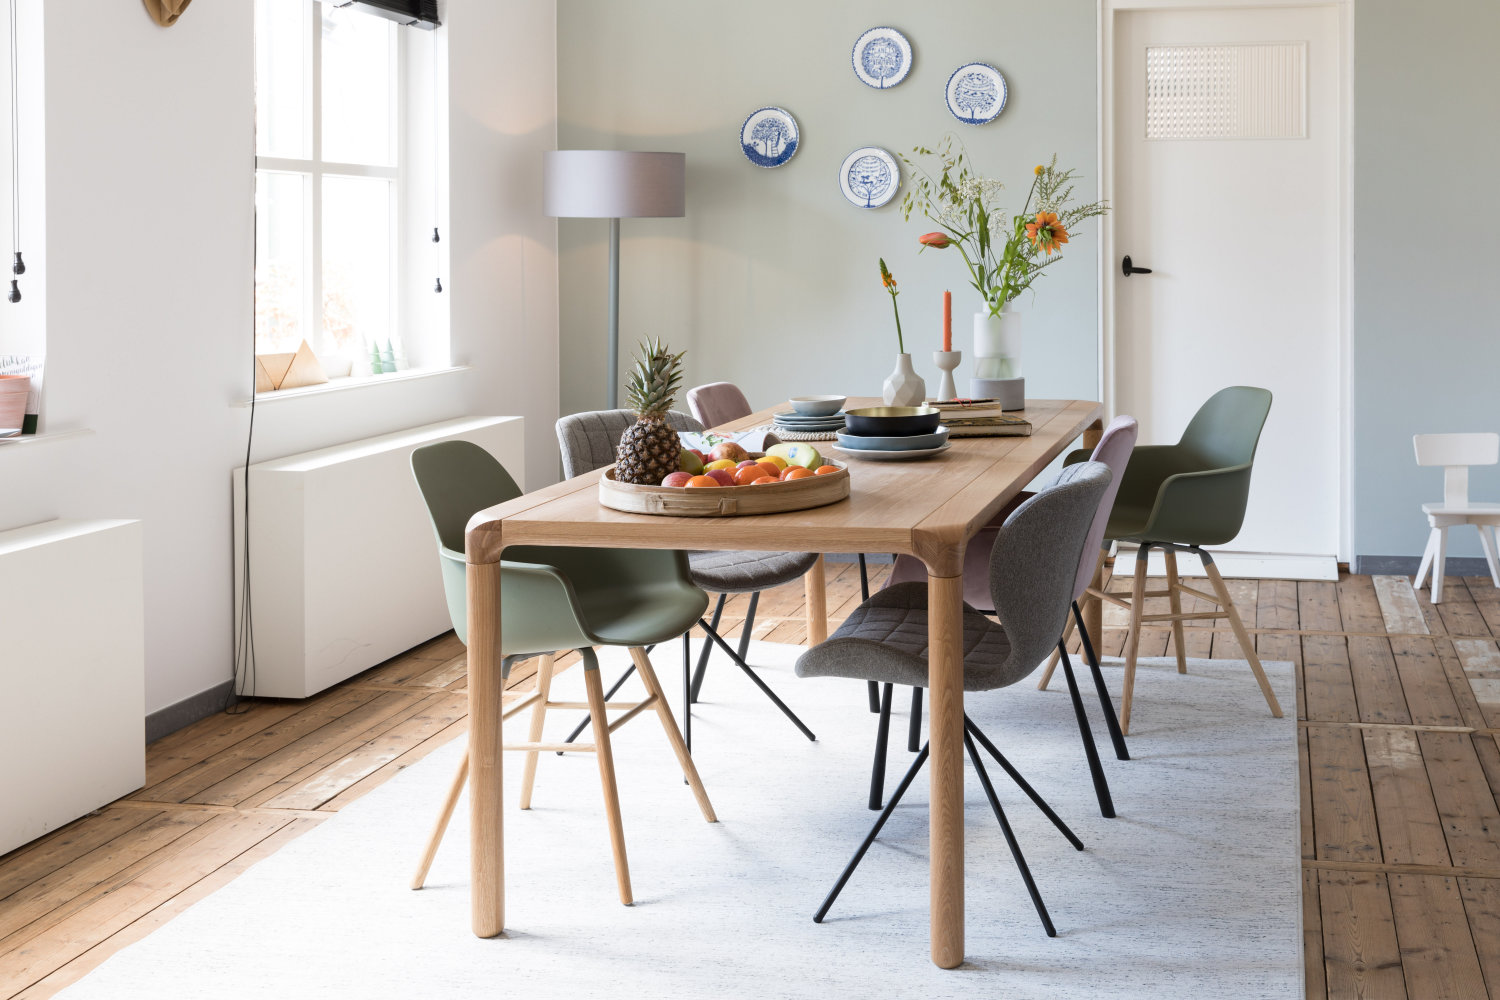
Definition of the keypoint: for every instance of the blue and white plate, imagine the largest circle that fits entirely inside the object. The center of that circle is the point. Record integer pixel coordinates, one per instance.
(976, 93)
(882, 58)
(769, 137)
(869, 177)
(909, 442)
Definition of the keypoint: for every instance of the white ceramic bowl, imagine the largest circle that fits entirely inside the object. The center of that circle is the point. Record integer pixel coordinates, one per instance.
(817, 406)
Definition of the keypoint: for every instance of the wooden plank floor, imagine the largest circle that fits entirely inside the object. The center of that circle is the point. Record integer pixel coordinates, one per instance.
(1398, 705)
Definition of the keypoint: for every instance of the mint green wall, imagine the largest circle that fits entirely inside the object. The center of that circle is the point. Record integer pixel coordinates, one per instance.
(771, 280)
(1426, 338)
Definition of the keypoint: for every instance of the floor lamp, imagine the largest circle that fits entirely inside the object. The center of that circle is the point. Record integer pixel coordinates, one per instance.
(614, 185)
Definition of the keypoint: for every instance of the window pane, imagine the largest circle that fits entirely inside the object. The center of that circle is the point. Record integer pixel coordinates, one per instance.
(357, 279)
(358, 77)
(282, 36)
(281, 275)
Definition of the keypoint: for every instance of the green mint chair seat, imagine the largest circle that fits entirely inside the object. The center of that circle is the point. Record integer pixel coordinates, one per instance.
(1179, 498)
(1033, 564)
(556, 599)
(587, 441)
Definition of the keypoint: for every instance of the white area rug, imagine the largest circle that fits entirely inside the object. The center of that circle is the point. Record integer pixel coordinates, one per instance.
(1193, 892)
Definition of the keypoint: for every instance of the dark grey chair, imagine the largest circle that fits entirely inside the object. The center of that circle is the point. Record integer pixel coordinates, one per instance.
(1032, 568)
(588, 442)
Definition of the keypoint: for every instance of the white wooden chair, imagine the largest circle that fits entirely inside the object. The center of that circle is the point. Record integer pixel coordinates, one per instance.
(1455, 453)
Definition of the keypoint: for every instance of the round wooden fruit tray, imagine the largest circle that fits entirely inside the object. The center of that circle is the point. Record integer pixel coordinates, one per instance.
(725, 501)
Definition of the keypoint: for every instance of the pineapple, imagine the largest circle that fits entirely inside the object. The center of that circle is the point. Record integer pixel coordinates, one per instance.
(649, 449)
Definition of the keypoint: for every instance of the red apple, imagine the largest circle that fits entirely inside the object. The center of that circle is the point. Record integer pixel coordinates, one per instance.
(747, 462)
(729, 450)
(677, 479)
(701, 457)
(724, 477)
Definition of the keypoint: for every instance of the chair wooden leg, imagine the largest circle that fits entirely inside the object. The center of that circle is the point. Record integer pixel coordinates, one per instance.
(1174, 598)
(441, 827)
(603, 751)
(1488, 543)
(674, 735)
(816, 590)
(1426, 564)
(1247, 645)
(1133, 640)
(1041, 685)
(1439, 558)
(538, 717)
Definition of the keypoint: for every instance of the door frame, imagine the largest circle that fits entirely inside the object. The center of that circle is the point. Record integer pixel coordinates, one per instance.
(1106, 12)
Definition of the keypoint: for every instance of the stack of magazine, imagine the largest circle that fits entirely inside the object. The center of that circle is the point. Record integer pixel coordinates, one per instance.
(981, 418)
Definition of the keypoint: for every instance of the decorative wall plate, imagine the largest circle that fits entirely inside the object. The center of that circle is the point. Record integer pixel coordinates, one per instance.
(976, 93)
(769, 137)
(882, 57)
(869, 177)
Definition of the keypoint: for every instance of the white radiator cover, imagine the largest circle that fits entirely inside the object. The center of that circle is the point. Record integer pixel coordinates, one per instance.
(72, 672)
(343, 564)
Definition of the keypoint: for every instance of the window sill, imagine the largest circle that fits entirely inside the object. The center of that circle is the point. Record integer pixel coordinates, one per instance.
(26, 442)
(347, 384)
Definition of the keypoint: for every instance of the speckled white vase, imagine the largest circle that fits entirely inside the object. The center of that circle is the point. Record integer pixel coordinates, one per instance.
(904, 387)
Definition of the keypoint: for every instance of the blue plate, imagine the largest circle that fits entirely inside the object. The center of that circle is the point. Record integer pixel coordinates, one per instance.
(911, 442)
(976, 93)
(769, 137)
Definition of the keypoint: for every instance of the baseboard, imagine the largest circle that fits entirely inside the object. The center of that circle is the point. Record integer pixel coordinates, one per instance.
(184, 713)
(1236, 565)
(1407, 565)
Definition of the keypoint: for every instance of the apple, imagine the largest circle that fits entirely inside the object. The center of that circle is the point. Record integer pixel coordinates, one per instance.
(747, 463)
(730, 450)
(677, 478)
(722, 476)
(701, 457)
(796, 453)
(690, 461)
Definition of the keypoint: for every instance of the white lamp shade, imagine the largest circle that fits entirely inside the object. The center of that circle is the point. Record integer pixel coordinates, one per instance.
(613, 184)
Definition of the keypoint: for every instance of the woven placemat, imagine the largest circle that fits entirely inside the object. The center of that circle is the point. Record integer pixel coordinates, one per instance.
(786, 435)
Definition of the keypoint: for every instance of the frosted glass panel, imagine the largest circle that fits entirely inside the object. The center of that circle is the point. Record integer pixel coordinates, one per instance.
(1226, 91)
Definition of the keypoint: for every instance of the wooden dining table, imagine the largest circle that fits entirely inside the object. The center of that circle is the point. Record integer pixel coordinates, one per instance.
(928, 508)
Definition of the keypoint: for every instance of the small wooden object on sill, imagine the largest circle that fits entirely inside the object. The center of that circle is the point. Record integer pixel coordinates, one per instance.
(288, 371)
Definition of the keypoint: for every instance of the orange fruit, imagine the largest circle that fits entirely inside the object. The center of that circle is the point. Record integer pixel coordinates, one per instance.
(702, 481)
(824, 470)
(748, 475)
(775, 460)
(796, 472)
(763, 480)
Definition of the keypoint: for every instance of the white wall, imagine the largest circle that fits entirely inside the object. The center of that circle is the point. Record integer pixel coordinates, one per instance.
(771, 279)
(149, 235)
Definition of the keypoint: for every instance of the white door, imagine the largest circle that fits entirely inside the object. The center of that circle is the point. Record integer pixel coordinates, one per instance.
(1227, 141)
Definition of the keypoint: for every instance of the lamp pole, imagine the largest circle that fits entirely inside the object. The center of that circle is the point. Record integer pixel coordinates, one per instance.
(613, 394)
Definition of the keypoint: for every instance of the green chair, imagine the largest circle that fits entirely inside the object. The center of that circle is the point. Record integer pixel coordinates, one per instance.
(1179, 498)
(555, 599)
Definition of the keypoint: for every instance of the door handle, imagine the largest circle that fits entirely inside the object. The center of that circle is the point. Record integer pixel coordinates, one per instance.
(1129, 268)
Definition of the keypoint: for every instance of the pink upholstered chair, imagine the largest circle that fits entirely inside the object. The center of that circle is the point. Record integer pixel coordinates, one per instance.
(1113, 449)
(718, 403)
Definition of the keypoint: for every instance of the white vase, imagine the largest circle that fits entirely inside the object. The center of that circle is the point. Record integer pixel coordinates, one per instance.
(904, 387)
(997, 344)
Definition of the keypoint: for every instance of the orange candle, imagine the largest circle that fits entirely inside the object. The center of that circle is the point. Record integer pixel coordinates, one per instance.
(947, 321)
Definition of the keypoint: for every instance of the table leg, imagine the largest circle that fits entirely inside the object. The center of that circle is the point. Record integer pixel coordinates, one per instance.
(817, 603)
(945, 724)
(486, 799)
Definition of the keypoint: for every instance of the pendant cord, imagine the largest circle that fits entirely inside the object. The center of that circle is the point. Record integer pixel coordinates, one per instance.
(15, 138)
(437, 253)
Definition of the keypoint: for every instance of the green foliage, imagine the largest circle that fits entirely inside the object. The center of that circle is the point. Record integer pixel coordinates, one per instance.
(1001, 259)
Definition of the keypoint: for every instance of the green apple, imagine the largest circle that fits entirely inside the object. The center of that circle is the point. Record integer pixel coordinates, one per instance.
(796, 453)
(688, 461)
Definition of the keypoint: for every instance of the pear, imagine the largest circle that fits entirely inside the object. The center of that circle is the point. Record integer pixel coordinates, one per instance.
(689, 461)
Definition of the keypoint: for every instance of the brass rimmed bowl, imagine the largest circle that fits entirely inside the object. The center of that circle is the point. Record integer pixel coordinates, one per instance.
(892, 421)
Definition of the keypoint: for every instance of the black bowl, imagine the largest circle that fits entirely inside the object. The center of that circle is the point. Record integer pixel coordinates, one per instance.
(892, 421)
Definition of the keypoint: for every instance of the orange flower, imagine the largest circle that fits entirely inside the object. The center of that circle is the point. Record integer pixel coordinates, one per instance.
(935, 240)
(886, 278)
(1046, 233)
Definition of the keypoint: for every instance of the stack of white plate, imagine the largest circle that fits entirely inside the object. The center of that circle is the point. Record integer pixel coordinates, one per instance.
(791, 420)
(892, 448)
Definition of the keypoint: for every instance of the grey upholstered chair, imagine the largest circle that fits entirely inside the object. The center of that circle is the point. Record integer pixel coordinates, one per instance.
(588, 442)
(1032, 568)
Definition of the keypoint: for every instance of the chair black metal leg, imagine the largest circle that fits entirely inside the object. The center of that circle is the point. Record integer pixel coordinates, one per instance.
(914, 729)
(707, 648)
(885, 814)
(871, 688)
(719, 640)
(687, 692)
(607, 695)
(1096, 769)
(744, 649)
(1022, 783)
(882, 733)
(1010, 838)
(1092, 659)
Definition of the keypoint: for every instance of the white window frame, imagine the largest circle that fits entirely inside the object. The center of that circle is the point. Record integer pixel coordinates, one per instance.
(313, 169)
